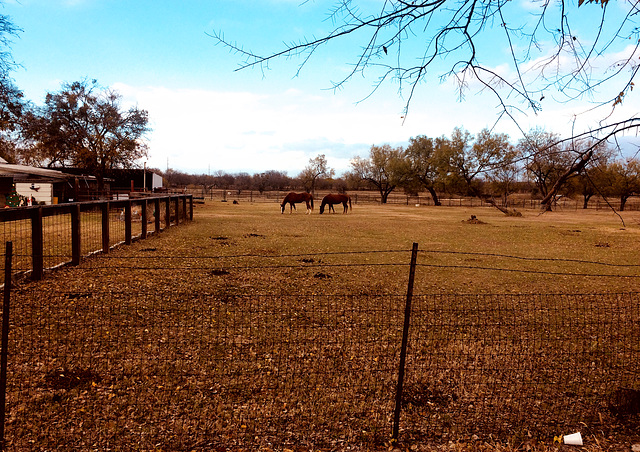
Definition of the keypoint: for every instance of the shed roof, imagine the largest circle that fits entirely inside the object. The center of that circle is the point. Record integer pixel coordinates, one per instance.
(8, 169)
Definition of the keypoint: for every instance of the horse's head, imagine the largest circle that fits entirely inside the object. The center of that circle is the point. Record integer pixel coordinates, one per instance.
(321, 208)
(282, 208)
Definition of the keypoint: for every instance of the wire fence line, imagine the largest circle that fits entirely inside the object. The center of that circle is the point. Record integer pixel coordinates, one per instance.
(397, 197)
(183, 370)
(314, 260)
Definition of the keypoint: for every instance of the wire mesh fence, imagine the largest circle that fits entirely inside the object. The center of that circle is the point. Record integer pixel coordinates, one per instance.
(520, 365)
(185, 371)
(49, 236)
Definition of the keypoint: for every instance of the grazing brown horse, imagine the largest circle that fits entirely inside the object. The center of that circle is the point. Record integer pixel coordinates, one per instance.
(293, 198)
(332, 199)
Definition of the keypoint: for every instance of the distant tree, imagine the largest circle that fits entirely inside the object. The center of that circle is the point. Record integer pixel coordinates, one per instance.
(317, 168)
(12, 101)
(427, 163)
(544, 158)
(573, 157)
(505, 177)
(385, 169)
(86, 127)
(594, 178)
(242, 181)
(12, 106)
(624, 180)
(220, 179)
(470, 161)
(271, 180)
(176, 178)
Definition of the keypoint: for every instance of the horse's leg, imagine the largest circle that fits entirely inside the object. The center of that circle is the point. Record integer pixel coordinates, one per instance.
(308, 208)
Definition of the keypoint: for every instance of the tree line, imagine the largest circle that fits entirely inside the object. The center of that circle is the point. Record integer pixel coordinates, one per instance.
(486, 166)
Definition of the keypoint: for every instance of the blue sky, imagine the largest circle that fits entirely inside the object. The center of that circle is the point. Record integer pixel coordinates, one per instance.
(207, 117)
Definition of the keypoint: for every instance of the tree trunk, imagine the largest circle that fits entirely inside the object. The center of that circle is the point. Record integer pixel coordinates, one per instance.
(504, 210)
(623, 202)
(575, 168)
(434, 196)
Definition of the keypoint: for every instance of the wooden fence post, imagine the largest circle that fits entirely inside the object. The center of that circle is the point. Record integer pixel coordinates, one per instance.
(75, 234)
(156, 214)
(403, 349)
(143, 218)
(37, 247)
(167, 218)
(127, 223)
(105, 226)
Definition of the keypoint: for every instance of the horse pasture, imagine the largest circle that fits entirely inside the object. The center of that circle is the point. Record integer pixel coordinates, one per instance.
(148, 333)
(555, 252)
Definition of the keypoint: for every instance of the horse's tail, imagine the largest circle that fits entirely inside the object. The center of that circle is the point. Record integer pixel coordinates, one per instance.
(311, 202)
(350, 207)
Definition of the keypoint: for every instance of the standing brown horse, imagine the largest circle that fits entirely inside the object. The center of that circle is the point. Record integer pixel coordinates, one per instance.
(336, 199)
(293, 198)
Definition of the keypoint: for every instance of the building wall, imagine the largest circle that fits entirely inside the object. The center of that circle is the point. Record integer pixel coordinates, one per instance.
(40, 191)
(156, 181)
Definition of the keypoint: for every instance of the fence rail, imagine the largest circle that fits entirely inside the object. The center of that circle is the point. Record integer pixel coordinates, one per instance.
(44, 237)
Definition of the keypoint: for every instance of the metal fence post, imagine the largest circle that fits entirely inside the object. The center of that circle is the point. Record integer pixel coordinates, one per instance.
(5, 338)
(403, 349)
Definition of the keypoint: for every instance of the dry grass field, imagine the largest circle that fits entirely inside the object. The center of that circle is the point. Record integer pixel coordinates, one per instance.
(556, 252)
(216, 280)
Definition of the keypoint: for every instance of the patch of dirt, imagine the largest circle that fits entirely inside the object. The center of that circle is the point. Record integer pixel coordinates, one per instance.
(219, 272)
(473, 220)
(70, 378)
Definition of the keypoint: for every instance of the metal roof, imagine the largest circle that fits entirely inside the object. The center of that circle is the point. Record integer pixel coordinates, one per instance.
(32, 171)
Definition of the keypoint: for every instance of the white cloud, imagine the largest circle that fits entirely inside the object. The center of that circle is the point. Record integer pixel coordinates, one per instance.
(242, 131)
(198, 130)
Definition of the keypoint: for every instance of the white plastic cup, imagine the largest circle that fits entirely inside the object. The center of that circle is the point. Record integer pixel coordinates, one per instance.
(575, 439)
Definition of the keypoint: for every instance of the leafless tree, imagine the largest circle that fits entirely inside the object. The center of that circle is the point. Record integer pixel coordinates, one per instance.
(549, 52)
(317, 168)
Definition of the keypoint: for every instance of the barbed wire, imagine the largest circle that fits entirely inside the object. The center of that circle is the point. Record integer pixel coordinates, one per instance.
(343, 253)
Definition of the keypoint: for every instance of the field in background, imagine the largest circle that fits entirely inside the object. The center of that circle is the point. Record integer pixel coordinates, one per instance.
(495, 254)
